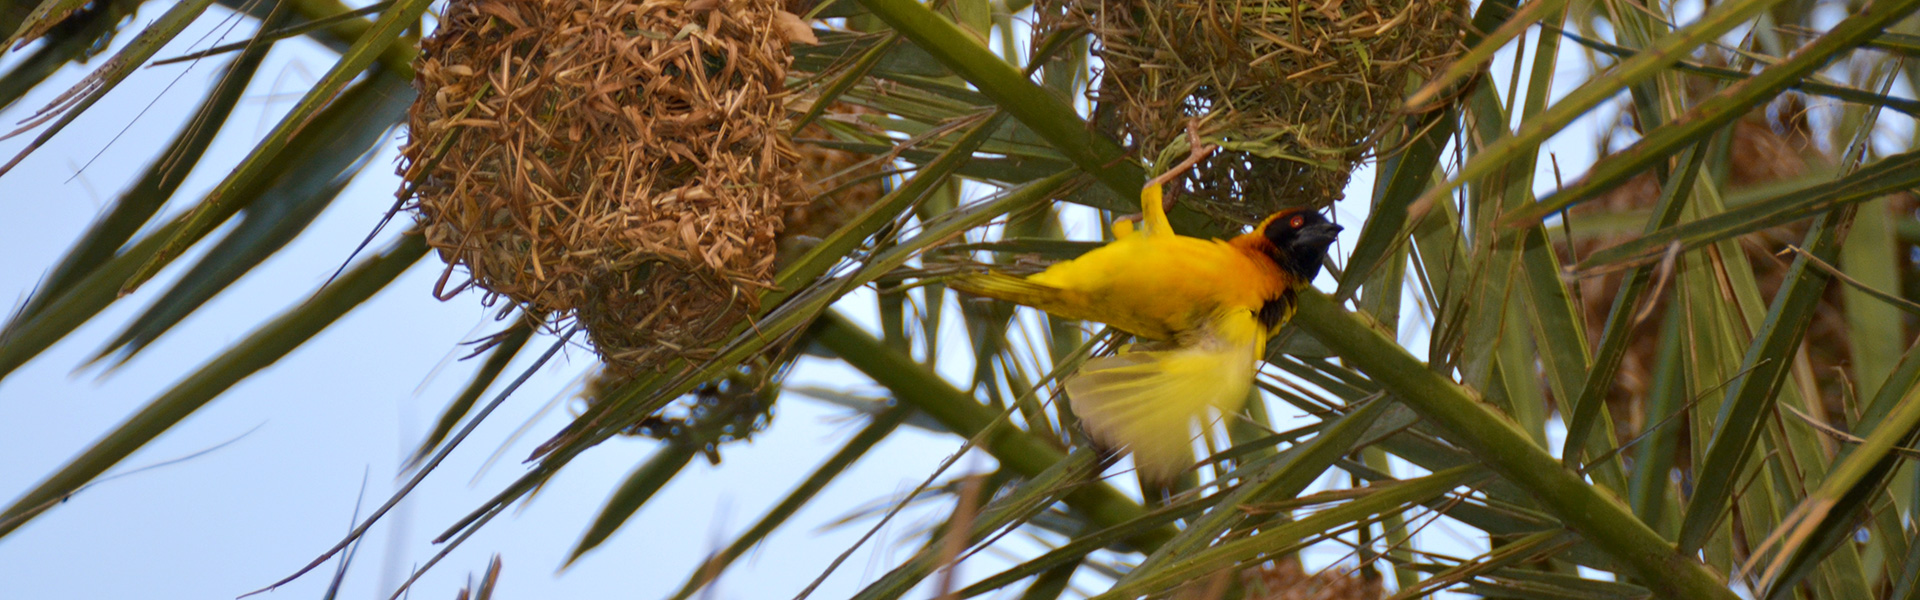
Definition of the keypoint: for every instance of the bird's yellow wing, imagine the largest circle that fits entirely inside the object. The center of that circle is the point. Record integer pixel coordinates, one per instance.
(1146, 400)
(1153, 211)
(1152, 219)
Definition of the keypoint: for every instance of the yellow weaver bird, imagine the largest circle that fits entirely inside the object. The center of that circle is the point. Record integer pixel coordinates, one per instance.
(1204, 307)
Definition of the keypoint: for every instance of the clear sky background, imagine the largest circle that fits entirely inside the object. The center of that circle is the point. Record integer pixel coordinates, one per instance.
(303, 437)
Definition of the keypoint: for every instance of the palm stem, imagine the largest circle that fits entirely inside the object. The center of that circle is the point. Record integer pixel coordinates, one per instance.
(1495, 439)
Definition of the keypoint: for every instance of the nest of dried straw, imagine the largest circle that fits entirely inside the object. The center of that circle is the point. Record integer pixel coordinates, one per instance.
(622, 162)
(1296, 93)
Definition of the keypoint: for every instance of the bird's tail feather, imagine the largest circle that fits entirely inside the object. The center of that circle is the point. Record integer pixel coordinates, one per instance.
(1147, 400)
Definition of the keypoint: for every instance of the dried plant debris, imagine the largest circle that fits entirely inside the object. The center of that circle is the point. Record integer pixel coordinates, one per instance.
(1295, 93)
(483, 589)
(619, 162)
(729, 409)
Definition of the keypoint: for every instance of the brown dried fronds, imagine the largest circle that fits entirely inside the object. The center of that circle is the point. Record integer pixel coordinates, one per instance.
(1770, 145)
(1295, 93)
(1757, 155)
(623, 162)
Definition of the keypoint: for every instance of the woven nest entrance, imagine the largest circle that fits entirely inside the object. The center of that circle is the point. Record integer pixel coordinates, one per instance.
(1295, 93)
(621, 162)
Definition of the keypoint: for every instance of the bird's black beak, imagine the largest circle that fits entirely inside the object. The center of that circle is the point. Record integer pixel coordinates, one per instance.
(1308, 246)
(1322, 233)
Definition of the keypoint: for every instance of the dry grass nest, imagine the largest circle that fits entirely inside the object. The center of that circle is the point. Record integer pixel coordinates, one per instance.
(1295, 93)
(619, 162)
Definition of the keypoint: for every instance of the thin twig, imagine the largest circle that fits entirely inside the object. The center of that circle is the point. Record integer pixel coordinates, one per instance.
(1196, 152)
(1659, 285)
(1896, 301)
(452, 443)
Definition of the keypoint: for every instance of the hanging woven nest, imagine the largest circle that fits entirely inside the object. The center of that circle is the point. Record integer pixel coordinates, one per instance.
(1295, 93)
(620, 162)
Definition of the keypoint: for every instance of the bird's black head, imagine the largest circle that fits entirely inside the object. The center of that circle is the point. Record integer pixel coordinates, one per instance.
(1300, 238)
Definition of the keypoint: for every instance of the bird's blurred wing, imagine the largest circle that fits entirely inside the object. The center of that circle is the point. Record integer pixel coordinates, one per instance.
(1147, 400)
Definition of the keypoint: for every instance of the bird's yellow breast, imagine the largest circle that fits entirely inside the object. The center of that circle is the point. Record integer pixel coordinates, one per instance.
(1158, 285)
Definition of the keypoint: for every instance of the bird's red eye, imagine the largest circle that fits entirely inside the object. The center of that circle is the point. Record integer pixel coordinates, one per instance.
(1297, 221)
